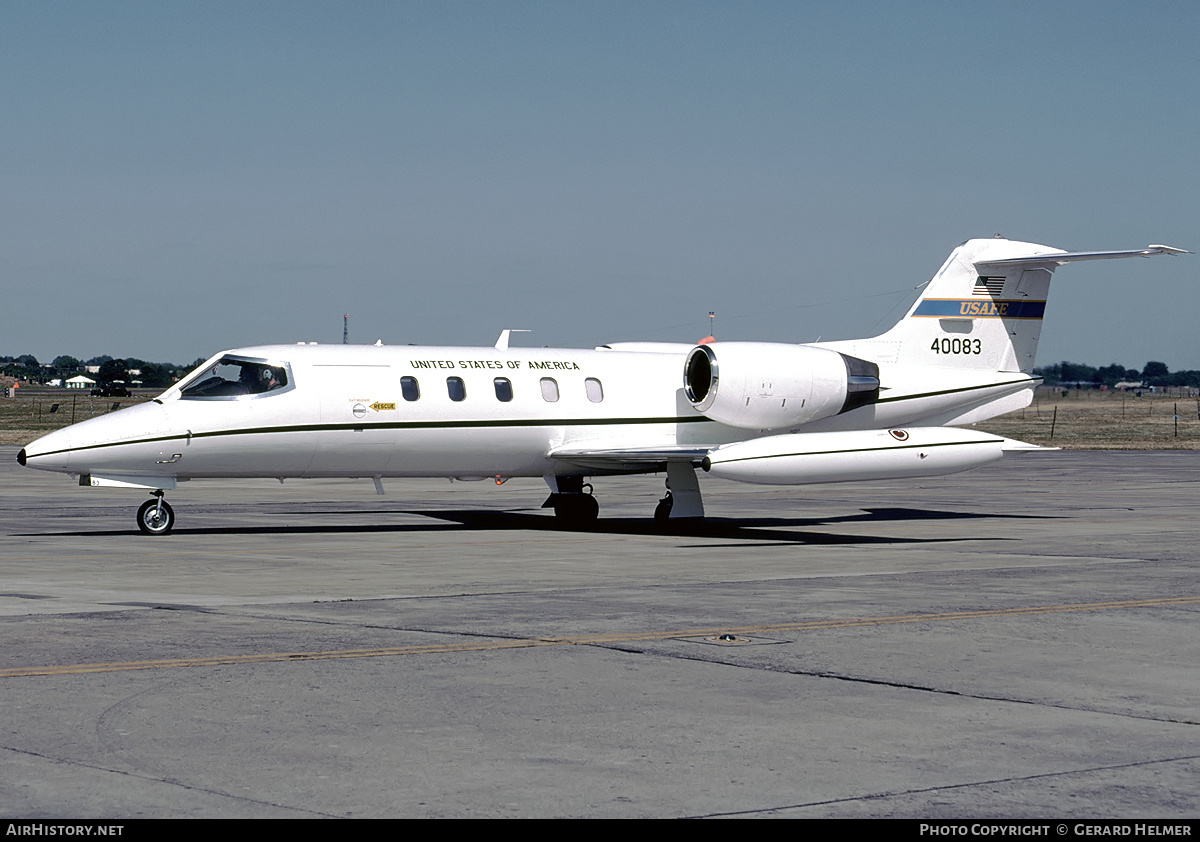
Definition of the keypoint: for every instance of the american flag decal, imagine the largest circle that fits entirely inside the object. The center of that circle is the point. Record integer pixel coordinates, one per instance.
(987, 285)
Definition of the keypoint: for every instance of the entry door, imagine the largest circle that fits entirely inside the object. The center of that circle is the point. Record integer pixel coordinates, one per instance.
(358, 408)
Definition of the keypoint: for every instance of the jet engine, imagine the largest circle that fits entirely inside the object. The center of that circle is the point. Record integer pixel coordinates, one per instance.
(771, 386)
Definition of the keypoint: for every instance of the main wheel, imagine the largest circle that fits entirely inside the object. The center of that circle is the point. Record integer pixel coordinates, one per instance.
(151, 522)
(589, 508)
(662, 511)
(577, 509)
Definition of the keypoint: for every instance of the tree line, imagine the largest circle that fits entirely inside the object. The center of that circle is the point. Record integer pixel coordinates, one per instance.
(155, 375)
(1153, 373)
(160, 375)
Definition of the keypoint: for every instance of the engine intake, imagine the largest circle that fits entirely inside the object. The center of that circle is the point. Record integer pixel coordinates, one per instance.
(770, 386)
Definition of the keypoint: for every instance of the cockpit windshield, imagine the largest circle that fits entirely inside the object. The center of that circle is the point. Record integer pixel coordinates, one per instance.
(235, 377)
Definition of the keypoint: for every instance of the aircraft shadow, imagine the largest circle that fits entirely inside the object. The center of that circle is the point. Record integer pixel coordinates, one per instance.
(766, 531)
(754, 531)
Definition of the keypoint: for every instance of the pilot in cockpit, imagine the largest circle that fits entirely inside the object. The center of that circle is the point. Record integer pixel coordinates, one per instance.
(258, 378)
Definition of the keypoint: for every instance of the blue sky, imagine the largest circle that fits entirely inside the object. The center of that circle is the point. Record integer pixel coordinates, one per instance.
(178, 178)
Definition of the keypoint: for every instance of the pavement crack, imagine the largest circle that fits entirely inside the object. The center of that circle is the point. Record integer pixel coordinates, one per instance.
(80, 764)
(899, 685)
(876, 796)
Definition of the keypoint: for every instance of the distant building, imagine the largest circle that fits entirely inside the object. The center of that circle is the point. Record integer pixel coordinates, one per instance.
(80, 382)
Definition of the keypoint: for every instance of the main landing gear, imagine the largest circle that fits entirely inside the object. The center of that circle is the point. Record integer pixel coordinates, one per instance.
(663, 510)
(683, 498)
(156, 517)
(572, 505)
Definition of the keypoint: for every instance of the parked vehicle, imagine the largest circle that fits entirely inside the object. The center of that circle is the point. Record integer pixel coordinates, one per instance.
(111, 390)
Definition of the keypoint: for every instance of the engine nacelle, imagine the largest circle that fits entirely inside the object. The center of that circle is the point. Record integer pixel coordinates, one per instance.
(770, 386)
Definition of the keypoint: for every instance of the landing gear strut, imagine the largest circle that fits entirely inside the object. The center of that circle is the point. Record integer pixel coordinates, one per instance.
(683, 494)
(156, 517)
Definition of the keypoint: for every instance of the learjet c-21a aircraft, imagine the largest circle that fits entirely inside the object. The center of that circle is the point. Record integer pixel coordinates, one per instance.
(756, 412)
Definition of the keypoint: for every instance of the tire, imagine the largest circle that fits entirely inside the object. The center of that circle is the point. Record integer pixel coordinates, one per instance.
(589, 509)
(577, 509)
(662, 511)
(152, 525)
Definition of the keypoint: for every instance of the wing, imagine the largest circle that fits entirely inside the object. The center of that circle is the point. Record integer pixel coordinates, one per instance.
(630, 459)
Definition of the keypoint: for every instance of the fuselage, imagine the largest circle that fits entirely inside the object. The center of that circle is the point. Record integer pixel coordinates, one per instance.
(469, 412)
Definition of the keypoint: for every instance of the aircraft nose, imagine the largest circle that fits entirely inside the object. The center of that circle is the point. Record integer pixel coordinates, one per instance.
(50, 453)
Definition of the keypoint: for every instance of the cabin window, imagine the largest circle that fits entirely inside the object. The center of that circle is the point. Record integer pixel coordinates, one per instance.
(456, 388)
(549, 389)
(232, 377)
(595, 391)
(410, 389)
(504, 390)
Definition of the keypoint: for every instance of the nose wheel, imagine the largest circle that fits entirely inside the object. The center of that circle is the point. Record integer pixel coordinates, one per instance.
(156, 517)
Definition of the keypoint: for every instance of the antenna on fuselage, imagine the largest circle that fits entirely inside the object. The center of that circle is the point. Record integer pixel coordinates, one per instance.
(712, 330)
(346, 329)
(502, 342)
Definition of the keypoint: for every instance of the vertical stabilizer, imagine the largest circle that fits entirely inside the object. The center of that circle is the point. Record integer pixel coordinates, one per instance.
(983, 309)
(979, 312)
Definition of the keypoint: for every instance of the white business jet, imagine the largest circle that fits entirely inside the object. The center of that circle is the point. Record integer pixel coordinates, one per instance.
(754, 412)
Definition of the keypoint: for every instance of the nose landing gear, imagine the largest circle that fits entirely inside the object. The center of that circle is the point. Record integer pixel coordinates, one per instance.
(156, 517)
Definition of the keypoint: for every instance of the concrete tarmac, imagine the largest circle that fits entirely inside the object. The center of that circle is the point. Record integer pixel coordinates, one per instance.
(1018, 641)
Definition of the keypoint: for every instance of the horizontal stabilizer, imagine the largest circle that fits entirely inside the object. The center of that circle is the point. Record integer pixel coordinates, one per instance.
(1058, 258)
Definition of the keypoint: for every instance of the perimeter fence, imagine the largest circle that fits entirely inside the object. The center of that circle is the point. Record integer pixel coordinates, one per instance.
(1099, 420)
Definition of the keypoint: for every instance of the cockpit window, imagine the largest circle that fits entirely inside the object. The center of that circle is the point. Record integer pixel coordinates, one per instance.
(235, 377)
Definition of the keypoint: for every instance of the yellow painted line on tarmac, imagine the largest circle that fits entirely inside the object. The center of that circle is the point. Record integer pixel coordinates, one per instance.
(484, 646)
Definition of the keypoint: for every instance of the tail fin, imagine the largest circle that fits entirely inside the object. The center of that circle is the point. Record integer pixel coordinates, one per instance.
(984, 307)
